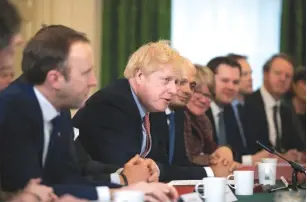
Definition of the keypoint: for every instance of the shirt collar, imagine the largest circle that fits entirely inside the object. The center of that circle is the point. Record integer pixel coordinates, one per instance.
(268, 99)
(215, 109)
(168, 111)
(48, 110)
(235, 102)
(141, 109)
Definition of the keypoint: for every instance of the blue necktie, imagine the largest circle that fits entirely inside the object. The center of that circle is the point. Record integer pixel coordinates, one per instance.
(171, 128)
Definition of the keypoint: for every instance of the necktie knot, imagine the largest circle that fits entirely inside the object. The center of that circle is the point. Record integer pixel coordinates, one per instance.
(55, 121)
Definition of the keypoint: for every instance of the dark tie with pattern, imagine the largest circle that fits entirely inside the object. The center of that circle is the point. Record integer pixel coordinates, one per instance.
(278, 145)
(171, 128)
(221, 129)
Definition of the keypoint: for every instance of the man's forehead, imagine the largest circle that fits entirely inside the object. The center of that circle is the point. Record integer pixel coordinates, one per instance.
(225, 69)
(4, 68)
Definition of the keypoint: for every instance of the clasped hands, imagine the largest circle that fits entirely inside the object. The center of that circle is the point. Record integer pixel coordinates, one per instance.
(222, 163)
(139, 169)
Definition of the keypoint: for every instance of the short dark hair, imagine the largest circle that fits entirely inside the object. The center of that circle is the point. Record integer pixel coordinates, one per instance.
(236, 57)
(48, 50)
(214, 63)
(9, 23)
(267, 65)
(299, 74)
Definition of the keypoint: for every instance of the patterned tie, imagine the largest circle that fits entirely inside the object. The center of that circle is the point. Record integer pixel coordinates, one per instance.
(278, 136)
(148, 136)
(171, 129)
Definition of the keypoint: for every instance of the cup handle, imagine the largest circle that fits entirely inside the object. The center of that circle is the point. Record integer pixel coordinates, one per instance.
(196, 189)
(232, 186)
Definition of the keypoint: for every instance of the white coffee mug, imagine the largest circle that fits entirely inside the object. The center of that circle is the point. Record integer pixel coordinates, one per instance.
(267, 173)
(243, 182)
(214, 189)
(269, 160)
(128, 196)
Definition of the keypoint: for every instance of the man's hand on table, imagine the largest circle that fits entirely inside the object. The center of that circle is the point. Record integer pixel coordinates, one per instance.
(221, 162)
(292, 155)
(222, 153)
(153, 169)
(136, 170)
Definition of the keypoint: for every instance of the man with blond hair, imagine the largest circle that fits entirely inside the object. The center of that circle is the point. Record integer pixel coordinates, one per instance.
(114, 123)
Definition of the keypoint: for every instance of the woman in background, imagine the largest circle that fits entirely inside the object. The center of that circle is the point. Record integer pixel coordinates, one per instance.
(200, 145)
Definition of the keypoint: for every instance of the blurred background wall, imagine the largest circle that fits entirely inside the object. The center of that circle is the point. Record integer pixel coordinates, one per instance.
(199, 29)
(82, 15)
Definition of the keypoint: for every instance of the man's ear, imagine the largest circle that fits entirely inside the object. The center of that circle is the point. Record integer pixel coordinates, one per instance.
(139, 76)
(54, 78)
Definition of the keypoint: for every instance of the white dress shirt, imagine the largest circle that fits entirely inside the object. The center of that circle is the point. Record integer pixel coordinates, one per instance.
(216, 110)
(49, 113)
(209, 171)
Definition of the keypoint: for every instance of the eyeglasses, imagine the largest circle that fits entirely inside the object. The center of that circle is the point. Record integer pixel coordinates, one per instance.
(206, 95)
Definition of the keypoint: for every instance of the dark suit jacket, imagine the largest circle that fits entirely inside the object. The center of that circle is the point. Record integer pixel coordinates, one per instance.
(21, 146)
(257, 125)
(110, 128)
(234, 138)
(91, 169)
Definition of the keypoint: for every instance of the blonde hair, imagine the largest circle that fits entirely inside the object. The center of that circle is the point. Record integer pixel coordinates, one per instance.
(151, 57)
(204, 76)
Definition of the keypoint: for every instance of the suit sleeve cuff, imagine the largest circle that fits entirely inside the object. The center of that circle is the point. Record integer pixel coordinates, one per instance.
(103, 194)
(209, 172)
(247, 160)
(115, 178)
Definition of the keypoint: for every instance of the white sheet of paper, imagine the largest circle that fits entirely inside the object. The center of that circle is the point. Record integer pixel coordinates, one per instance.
(184, 182)
(230, 197)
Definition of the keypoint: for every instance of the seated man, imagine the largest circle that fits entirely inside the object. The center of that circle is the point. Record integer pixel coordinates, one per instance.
(273, 123)
(59, 76)
(176, 129)
(114, 124)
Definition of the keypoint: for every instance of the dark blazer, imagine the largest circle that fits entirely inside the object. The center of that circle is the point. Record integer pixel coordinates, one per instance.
(93, 170)
(159, 128)
(21, 146)
(257, 125)
(234, 138)
(110, 128)
(211, 118)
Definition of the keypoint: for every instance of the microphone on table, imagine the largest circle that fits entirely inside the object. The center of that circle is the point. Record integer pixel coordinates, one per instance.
(295, 166)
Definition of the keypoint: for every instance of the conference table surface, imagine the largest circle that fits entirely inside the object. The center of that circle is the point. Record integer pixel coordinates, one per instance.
(282, 170)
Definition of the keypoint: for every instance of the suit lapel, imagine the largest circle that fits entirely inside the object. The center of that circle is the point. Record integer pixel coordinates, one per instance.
(37, 117)
(210, 116)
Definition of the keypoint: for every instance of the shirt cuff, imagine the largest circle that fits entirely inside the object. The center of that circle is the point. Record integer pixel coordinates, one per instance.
(115, 178)
(247, 160)
(103, 194)
(209, 172)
